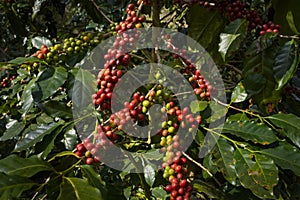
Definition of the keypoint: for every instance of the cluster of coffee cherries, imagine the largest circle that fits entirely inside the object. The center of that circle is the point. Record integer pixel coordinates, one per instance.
(202, 88)
(93, 148)
(107, 78)
(132, 20)
(144, 2)
(30, 66)
(175, 164)
(177, 173)
(137, 110)
(238, 9)
(6, 81)
(83, 152)
(41, 52)
(116, 58)
(70, 47)
(270, 27)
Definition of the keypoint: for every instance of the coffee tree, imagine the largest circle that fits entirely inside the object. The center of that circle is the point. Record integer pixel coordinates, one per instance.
(150, 99)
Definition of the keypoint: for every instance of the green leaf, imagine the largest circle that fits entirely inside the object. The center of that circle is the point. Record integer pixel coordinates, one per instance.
(159, 193)
(33, 137)
(290, 124)
(218, 111)
(241, 193)
(14, 128)
(153, 154)
(38, 41)
(84, 86)
(198, 106)
(210, 190)
(210, 165)
(286, 63)
(127, 192)
(256, 172)
(232, 38)
(21, 60)
(13, 186)
(226, 44)
(27, 98)
(14, 165)
(36, 8)
(280, 14)
(204, 25)
(257, 80)
(93, 178)
(48, 142)
(237, 117)
(223, 159)
(239, 93)
(258, 72)
(53, 187)
(70, 139)
(78, 189)
(291, 22)
(251, 131)
(149, 173)
(286, 156)
(50, 80)
(56, 109)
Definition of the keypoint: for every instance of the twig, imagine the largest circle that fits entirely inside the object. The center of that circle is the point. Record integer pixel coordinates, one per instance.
(182, 93)
(39, 189)
(229, 106)
(5, 54)
(44, 197)
(139, 8)
(101, 12)
(169, 14)
(139, 57)
(234, 68)
(155, 13)
(290, 37)
(202, 167)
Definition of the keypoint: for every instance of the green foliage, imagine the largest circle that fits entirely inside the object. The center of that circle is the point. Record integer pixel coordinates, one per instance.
(232, 38)
(27, 167)
(76, 188)
(258, 71)
(251, 131)
(13, 186)
(286, 63)
(286, 156)
(256, 172)
(289, 125)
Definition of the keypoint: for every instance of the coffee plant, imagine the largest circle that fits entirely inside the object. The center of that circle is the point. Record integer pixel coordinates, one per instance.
(73, 128)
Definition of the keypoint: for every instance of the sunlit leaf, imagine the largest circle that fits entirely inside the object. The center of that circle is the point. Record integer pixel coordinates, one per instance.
(13, 186)
(286, 156)
(239, 93)
(149, 173)
(251, 131)
(33, 137)
(27, 167)
(286, 63)
(78, 189)
(13, 129)
(256, 172)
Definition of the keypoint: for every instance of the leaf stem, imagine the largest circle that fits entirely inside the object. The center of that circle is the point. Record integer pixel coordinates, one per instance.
(101, 12)
(202, 167)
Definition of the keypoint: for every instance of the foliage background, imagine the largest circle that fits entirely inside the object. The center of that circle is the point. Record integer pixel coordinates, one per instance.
(261, 75)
